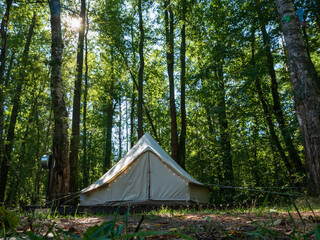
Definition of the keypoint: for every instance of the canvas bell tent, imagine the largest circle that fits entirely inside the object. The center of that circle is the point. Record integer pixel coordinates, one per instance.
(148, 175)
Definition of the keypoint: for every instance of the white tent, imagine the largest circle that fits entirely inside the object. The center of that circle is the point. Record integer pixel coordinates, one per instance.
(146, 174)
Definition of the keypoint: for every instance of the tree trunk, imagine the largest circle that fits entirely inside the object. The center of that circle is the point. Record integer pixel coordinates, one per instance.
(85, 165)
(16, 182)
(3, 33)
(132, 132)
(140, 86)
(170, 66)
(182, 143)
(133, 98)
(110, 112)
(143, 102)
(120, 127)
(274, 138)
(8, 74)
(277, 108)
(305, 82)
(7, 148)
(60, 145)
(224, 131)
(75, 135)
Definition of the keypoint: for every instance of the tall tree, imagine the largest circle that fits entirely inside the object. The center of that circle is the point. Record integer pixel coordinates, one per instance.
(182, 143)
(60, 145)
(140, 85)
(4, 35)
(305, 82)
(225, 141)
(273, 136)
(277, 108)
(133, 96)
(169, 24)
(110, 113)
(75, 135)
(15, 111)
(85, 165)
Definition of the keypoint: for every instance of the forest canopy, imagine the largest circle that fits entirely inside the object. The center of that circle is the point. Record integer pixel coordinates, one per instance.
(229, 88)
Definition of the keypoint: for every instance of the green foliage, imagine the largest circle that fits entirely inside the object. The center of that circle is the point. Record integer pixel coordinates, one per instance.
(107, 230)
(8, 221)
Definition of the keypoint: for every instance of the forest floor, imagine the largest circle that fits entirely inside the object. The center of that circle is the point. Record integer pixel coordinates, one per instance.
(270, 224)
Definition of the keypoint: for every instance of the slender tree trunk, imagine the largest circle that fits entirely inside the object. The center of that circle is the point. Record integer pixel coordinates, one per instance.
(110, 112)
(305, 82)
(61, 173)
(90, 158)
(3, 33)
(318, 21)
(85, 165)
(224, 131)
(120, 129)
(75, 135)
(14, 114)
(182, 143)
(127, 126)
(11, 64)
(133, 98)
(11, 196)
(315, 9)
(277, 108)
(140, 86)
(274, 138)
(132, 125)
(143, 102)
(38, 158)
(170, 66)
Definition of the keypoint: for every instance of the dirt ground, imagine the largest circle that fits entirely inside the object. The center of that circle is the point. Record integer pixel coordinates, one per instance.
(228, 225)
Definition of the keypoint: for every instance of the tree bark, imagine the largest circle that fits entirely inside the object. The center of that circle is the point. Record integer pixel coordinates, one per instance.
(61, 172)
(305, 82)
(75, 135)
(141, 69)
(182, 143)
(7, 148)
(170, 66)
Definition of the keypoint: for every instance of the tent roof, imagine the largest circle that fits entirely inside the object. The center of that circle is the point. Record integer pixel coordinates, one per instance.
(146, 143)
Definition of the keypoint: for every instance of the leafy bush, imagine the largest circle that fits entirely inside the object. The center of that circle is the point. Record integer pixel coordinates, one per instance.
(8, 219)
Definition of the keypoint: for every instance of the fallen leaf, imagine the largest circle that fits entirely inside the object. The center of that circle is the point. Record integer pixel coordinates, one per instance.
(277, 222)
(173, 229)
